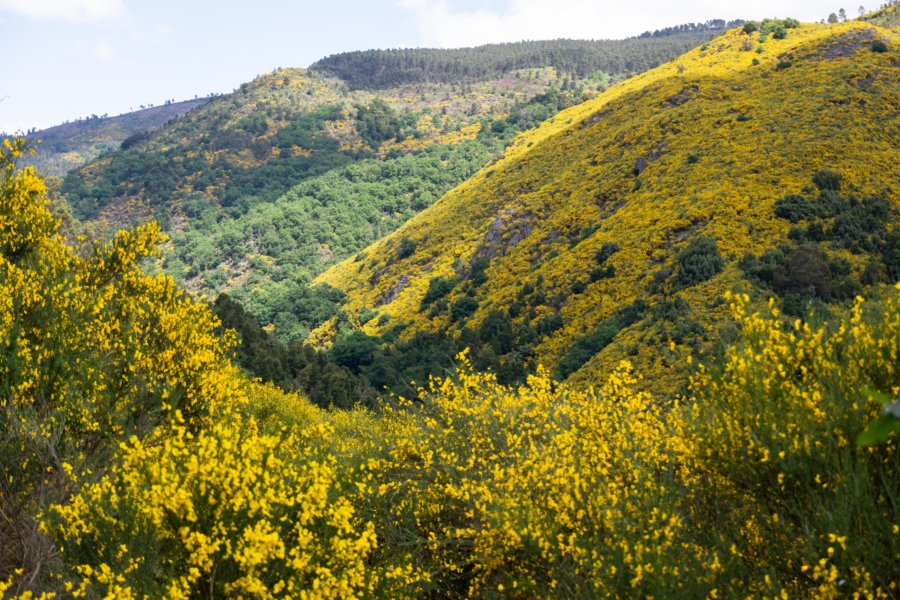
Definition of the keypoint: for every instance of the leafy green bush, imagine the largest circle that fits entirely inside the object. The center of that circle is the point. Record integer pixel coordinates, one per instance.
(796, 208)
(699, 261)
(828, 180)
(438, 287)
(601, 336)
(463, 308)
(377, 122)
(405, 248)
(607, 250)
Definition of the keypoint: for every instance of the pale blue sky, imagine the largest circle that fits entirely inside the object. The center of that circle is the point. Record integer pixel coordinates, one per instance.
(66, 59)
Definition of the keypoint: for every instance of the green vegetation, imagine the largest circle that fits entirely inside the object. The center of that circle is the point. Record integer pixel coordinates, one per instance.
(61, 148)
(377, 122)
(698, 262)
(296, 367)
(707, 441)
(377, 69)
(812, 268)
(598, 339)
(160, 174)
(264, 188)
(437, 289)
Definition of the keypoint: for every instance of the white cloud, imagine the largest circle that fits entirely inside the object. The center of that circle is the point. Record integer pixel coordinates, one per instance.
(153, 34)
(105, 53)
(441, 24)
(65, 10)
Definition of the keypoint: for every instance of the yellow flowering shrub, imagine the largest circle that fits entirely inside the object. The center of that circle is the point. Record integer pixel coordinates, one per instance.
(541, 491)
(772, 441)
(155, 469)
(91, 351)
(227, 512)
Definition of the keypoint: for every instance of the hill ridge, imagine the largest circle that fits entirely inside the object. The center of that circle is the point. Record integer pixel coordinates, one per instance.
(548, 250)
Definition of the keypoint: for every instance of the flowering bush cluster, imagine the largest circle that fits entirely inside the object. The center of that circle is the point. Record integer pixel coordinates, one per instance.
(541, 491)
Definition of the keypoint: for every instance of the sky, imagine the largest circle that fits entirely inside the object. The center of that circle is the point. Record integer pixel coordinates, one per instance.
(67, 59)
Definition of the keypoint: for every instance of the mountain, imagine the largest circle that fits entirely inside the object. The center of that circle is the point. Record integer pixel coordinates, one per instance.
(377, 69)
(262, 189)
(886, 16)
(763, 162)
(61, 148)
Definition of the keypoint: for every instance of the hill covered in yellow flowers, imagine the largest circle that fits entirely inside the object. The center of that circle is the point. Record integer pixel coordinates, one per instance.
(613, 230)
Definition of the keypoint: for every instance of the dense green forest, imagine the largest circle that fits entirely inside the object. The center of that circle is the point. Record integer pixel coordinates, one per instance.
(578, 58)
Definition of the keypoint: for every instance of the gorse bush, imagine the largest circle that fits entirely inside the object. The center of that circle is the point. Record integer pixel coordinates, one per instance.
(538, 491)
(92, 351)
(773, 432)
(229, 511)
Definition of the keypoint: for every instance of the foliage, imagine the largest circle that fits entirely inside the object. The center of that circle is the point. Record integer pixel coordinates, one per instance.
(566, 188)
(65, 147)
(773, 431)
(293, 367)
(700, 260)
(406, 248)
(229, 511)
(777, 27)
(263, 256)
(437, 289)
(153, 468)
(375, 69)
(598, 339)
(92, 351)
(807, 270)
(880, 430)
(377, 122)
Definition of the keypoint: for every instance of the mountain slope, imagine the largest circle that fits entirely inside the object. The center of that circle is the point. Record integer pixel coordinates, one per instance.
(65, 147)
(262, 189)
(615, 228)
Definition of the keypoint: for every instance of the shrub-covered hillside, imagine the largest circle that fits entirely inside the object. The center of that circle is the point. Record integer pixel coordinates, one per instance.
(263, 188)
(765, 160)
(61, 148)
(137, 462)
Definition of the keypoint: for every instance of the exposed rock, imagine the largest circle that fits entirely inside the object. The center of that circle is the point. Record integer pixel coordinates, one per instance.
(392, 294)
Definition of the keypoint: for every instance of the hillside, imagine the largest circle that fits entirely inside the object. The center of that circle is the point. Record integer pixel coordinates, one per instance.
(764, 161)
(68, 146)
(376, 69)
(262, 189)
(886, 16)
